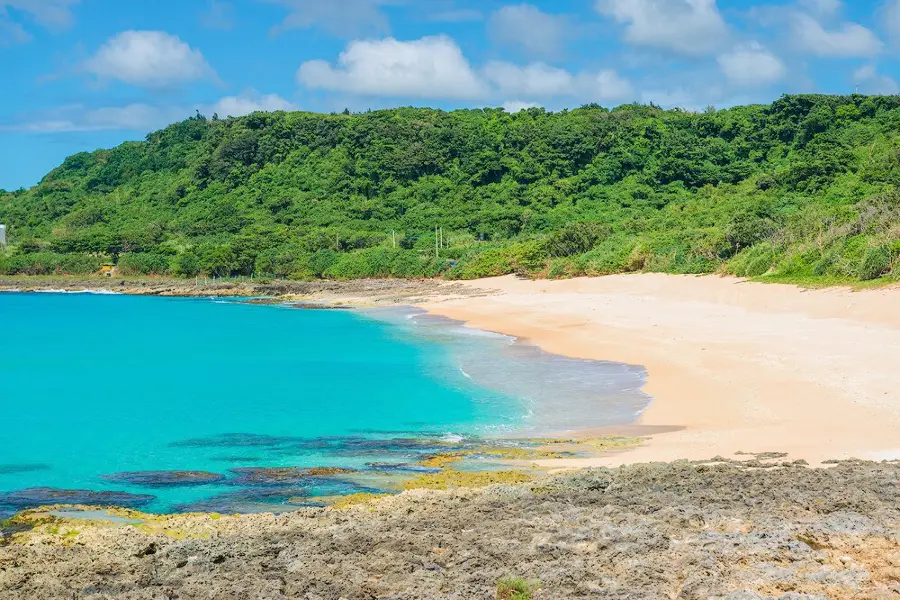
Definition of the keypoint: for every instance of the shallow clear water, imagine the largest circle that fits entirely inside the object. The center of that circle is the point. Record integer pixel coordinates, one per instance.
(92, 386)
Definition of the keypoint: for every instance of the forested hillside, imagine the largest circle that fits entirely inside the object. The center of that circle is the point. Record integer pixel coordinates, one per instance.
(803, 187)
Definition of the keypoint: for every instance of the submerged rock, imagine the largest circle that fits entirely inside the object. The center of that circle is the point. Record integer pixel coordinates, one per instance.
(248, 501)
(237, 459)
(163, 479)
(43, 496)
(386, 467)
(15, 469)
(279, 476)
(236, 440)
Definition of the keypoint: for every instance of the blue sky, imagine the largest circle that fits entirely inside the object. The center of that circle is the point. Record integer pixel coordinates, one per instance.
(85, 74)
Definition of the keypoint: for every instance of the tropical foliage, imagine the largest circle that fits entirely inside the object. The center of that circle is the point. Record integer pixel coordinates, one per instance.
(804, 187)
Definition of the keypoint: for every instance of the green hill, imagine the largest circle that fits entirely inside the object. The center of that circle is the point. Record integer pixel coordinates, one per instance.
(804, 187)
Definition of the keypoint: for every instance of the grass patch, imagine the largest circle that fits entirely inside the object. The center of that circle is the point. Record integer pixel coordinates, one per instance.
(815, 282)
(356, 500)
(450, 478)
(516, 588)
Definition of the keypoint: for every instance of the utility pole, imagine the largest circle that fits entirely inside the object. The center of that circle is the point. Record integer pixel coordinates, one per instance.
(442, 237)
(3, 236)
(393, 239)
(436, 251)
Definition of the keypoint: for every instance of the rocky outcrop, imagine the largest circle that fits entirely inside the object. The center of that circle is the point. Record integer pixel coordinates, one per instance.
(655, 531)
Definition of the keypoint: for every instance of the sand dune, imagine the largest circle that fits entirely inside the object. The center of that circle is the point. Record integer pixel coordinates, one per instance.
(733, 366)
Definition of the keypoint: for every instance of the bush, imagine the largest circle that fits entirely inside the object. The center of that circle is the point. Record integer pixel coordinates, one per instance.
(322, 261)
(753, 262)
(745, 229)
(144, 264)
(875, 263)
(576, 238)
(49, 263)
(186, 264)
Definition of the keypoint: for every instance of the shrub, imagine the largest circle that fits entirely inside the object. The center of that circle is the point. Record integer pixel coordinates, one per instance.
(746, 228)
(49, 263)
(875, 263)
(144, 264)
(186, 264)
(321, 261)
(753, 262)
(576, 238)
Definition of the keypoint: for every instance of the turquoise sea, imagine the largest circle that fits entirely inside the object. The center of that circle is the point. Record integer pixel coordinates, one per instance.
(110, 399)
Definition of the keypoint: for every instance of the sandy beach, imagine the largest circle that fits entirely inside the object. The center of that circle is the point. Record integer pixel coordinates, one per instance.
(732, 366)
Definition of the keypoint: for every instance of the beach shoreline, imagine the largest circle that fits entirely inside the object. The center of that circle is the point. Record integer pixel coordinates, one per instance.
(732, 366)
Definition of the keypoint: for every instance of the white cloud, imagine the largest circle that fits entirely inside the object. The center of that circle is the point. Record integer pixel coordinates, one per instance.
(751, 65)
(534, 80)
(823, 8)
(142, 117)
(871, 81)
(847, 41)
(218, 15)
(526, 27)
(691, 27)
(342, 18)
(890, 17)
(672, 98)
(52, 14)
(514, 106)
(604, 85)
(249, 102)
(78, 118)
(539, 80)
(456, 16)
(148, 58)
(431, 67)
(12, 33)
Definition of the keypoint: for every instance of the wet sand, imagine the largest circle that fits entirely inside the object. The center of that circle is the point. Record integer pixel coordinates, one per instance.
(733, 366)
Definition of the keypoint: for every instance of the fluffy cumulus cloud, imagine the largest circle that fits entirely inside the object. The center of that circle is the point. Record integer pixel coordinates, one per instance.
(52, 14)
(536, 80)
(514, 106)
(148, 58)
(141, 116)
(249, 102)
(342, 18)
(847, 40)
(539, 80)
(751, 65)
(527, 28)
(690, 27)
(870, 81)
(431, 67)
(435, 67)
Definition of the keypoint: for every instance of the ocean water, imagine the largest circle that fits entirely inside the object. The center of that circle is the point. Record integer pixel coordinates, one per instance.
(188, 404)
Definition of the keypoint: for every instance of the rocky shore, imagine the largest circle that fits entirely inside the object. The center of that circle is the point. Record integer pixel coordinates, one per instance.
(718, 529)
(355, 292)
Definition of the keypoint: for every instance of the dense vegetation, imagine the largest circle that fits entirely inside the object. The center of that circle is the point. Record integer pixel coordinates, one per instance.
(803, 187)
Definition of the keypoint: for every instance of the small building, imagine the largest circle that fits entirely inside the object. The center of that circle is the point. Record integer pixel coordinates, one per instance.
(107, 270)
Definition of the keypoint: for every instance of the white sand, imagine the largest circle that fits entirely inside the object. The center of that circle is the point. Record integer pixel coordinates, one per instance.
(735, 366)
